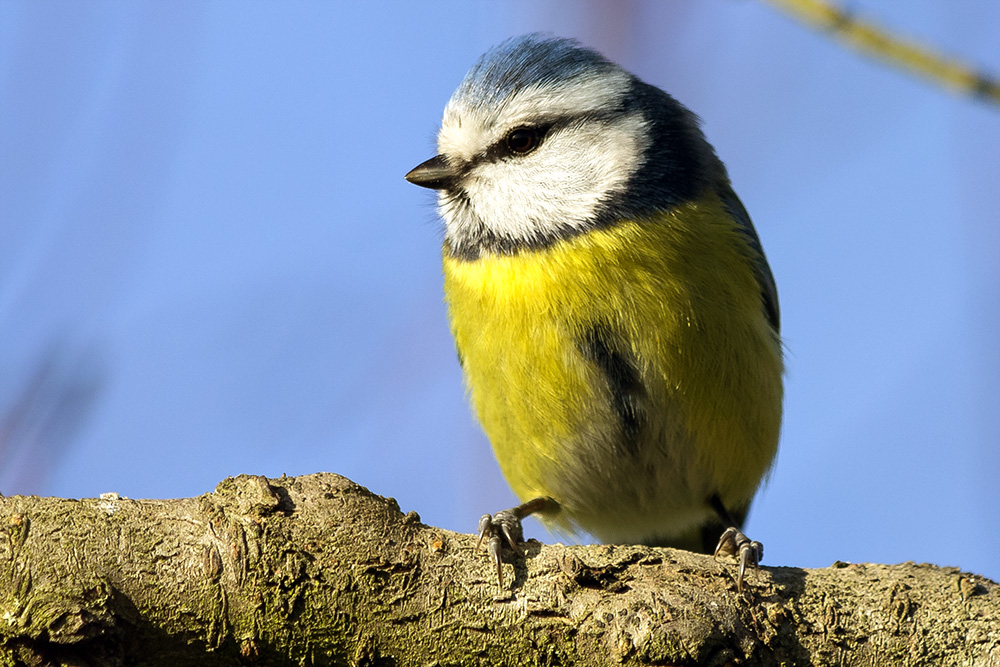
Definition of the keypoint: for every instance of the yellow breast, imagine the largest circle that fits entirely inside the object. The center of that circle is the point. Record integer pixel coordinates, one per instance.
(678, 294)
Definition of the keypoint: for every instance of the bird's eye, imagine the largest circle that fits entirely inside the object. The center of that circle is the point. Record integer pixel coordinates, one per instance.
(523, 140)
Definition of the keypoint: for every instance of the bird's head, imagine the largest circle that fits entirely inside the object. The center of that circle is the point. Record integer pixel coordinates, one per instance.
(545, 139)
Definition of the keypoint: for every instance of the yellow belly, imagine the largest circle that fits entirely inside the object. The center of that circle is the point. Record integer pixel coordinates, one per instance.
(679, 294)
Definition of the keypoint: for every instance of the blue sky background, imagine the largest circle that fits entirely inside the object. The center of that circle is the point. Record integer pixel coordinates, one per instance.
(210, 263)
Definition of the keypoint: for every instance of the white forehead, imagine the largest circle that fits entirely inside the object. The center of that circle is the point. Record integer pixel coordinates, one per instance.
(470, 125)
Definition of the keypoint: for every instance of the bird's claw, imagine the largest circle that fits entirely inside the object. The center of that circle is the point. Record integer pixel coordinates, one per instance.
(497, 529)
(734, 543)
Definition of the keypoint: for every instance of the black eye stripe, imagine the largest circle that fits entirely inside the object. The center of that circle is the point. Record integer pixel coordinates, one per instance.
(500, 150)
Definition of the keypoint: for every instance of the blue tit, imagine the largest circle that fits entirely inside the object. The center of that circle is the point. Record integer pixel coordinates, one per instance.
(614, 314)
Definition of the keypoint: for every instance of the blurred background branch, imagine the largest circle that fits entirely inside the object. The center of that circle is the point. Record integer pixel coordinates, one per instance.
(42, 411)
(903, 53)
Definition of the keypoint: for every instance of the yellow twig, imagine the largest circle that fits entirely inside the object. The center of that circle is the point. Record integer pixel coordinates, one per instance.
(894, 50)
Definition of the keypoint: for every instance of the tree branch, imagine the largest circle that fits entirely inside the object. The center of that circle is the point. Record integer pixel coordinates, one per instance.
(905, 54)
(317, 570)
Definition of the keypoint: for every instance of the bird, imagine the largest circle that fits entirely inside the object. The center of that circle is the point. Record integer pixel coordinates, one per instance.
(614, 314)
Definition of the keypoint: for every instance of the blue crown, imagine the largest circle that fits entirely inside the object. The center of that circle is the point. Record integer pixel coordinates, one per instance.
(529, 60)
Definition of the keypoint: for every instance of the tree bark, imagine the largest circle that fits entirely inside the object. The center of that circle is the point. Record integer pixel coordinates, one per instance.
(316, 570)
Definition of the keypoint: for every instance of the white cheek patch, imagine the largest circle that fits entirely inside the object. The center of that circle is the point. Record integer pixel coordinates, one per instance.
(557, 187)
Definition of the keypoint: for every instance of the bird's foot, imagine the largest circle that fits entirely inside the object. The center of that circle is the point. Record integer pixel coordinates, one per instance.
(734, 543)
(505, 528)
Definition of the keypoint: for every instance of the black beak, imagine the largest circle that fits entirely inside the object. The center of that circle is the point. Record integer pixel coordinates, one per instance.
(435, 173)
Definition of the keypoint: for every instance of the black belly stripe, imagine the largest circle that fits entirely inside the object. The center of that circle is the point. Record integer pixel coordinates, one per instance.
(627, 391)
